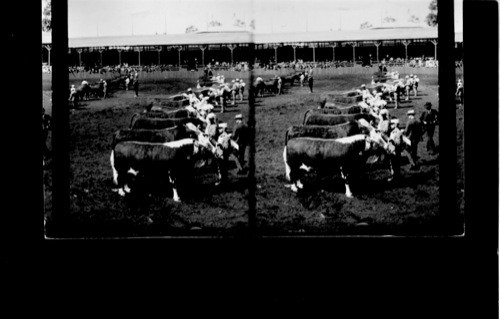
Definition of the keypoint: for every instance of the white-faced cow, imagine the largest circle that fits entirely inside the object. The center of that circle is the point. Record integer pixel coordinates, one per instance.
(324, 155)
(151, 159)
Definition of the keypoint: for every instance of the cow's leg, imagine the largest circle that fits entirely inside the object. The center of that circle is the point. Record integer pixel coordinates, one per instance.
(348, 192)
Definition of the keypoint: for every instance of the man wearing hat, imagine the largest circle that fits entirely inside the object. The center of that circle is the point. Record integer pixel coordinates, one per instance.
(413, 131)
(241, 136)
(384, 126)
(212, 130)
(429, 119)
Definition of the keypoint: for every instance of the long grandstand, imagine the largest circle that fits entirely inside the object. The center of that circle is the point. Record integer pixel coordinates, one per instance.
(401, 44)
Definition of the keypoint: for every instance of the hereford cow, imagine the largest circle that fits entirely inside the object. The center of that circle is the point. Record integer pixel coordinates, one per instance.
(322, 131)
(131, 158)
(324, 155)
(334, 119)
(140, 121)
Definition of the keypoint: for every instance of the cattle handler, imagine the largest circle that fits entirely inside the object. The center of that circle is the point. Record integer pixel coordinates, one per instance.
(413, 131)
(241, 136)
(429, 119)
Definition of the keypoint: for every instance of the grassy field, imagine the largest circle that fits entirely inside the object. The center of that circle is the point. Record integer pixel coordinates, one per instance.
(409, 207)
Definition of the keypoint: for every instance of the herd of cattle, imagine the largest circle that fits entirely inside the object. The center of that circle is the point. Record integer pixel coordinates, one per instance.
(162, 143)
(340, 135)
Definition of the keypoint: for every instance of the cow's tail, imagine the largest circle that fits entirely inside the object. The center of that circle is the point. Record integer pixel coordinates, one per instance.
(113, 168)
(287, 167)
(132, 119)
(286, 136)
(305, 116)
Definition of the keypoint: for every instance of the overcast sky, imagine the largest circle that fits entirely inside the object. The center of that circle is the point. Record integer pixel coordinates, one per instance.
(89, 18)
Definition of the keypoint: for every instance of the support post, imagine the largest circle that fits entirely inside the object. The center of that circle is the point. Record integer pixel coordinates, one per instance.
(100, 53)
(377, 44)
(119, 56)
(333, 45)
(139, 49)
(231, 47)
(79, 56)
(313, 45)
(294, 52)
(405, 43)
(179, 49)
(354, 45)
(203, 48)
(159, 50)
(275, 47)
(435, 48)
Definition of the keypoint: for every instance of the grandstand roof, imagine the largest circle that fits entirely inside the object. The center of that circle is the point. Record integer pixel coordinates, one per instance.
(198, 38)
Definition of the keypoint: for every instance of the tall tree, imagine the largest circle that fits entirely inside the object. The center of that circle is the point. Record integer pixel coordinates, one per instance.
(365, 25)
(47, 16)
(432, 17)
(191, 29)
(252, 24)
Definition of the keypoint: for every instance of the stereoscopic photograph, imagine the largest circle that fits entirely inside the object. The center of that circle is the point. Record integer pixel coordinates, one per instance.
(282, 118)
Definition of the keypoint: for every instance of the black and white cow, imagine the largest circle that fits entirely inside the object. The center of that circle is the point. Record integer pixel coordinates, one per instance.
(340, 154)
(312, 118)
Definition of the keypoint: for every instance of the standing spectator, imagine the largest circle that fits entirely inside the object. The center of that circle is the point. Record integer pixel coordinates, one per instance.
(415, 84)
(241, 136)
(105, 89)
(127, 83)
(413, 131)
(242, 89)
(136, 86)
(72, 96)
(279, 85)
(302, 77)
(46, 127)
(429, 119)
(460, 91)
(384, 125)
(212, 130)
(310, 80)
